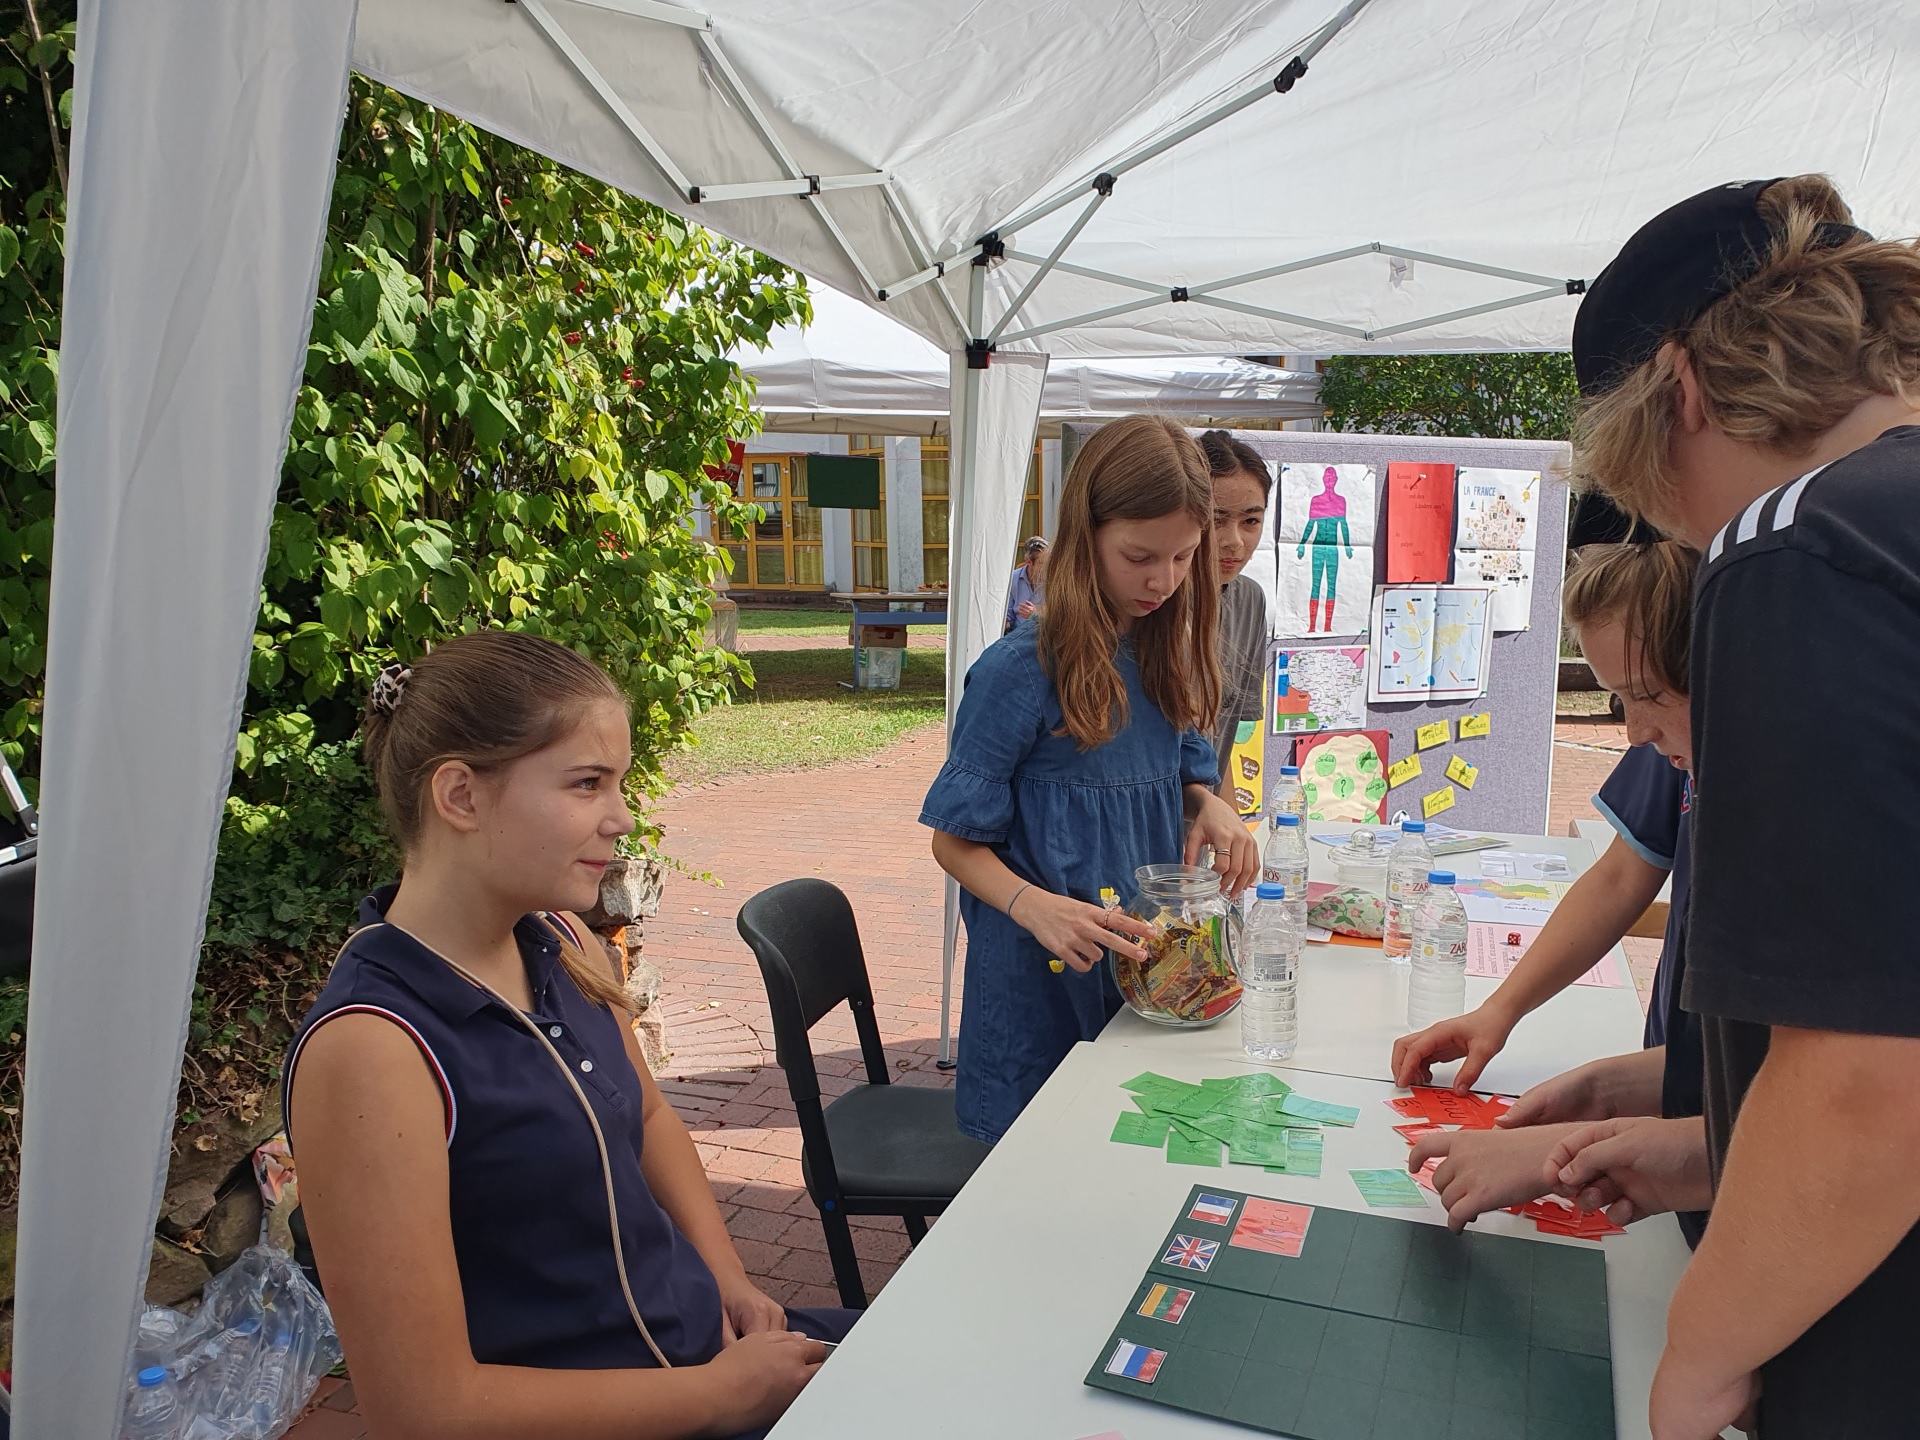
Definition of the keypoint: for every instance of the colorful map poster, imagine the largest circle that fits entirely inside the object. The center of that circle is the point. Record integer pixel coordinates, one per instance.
(1431, 642)
(1322, 688)
(1499, 513)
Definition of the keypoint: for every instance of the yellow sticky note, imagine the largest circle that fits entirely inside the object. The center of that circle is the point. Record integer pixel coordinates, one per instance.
(1476, 727)
(1403, 770)
(1432, 805)
(1461, 773)
(1428, 736)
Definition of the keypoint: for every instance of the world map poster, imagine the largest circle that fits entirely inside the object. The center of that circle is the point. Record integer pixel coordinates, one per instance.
(1431, 642)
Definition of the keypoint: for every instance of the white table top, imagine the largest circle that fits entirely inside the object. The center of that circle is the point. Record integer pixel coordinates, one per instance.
(990, 1325)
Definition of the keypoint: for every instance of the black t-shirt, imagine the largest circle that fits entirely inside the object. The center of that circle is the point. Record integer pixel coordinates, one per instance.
(1806, 828)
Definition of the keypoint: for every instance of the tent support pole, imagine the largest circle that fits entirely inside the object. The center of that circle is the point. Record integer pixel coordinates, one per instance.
(1160, 297)
(1266, 314)
(1100, 195)
(1559, 288)
(917, 247)
(960, 583)
(1087, 272)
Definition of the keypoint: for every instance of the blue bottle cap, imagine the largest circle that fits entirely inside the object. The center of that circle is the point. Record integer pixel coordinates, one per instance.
(1439, 877)
(1269, 891)
(1289, 769)
(152, 1376)
(248, 1326)
(1414, 827)
(1286, 817)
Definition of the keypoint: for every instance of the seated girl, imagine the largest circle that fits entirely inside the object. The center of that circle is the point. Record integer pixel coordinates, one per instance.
(512, 1226)
(1631, 608)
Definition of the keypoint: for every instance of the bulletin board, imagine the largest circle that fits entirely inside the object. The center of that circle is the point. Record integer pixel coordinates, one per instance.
(1513, 762)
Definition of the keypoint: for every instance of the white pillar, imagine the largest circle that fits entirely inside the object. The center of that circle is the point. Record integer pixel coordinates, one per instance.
(906, 568)
(836, 548)
(204, 137)
(1050, 479)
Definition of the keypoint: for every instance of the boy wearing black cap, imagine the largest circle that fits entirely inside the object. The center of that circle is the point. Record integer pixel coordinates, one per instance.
(1751, 368)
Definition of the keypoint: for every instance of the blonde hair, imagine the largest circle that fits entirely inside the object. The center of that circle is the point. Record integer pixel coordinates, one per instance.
(1780, 359)
(487, 699)
(1137, 468)
(1647, 590)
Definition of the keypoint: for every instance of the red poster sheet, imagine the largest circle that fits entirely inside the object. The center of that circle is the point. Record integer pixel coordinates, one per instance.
(1273, 1226)
(1419, 523)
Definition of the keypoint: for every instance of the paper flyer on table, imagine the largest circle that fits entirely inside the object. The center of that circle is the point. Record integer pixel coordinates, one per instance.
(1493, 951)
(1430, 642)
(1521, 865)
(1509, 902)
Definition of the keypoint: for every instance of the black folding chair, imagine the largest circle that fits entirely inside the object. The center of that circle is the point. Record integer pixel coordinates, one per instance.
(881, 1148)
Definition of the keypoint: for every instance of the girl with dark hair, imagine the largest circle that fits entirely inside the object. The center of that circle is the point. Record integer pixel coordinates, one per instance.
(1077, 753)
(513, 1227)
(1241, 487)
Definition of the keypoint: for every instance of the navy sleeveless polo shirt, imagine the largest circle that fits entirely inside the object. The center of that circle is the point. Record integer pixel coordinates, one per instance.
(525, 1192)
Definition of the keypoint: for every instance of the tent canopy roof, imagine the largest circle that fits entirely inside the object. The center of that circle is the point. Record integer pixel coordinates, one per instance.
(1524, 135)
(855, 371)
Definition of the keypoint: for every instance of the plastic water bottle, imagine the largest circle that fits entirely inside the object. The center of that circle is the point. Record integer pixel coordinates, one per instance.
(1287, 797)
(266, 1397)
(1407, 868)
(1437, 987)
(1270, 976)
(222, 1382)
(1284, 862)
(153, 1410)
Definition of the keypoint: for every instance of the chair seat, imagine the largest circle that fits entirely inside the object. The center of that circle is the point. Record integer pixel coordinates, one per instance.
(899, 1141)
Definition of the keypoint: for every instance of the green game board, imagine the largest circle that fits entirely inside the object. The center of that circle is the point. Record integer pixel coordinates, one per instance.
(1381, 1329)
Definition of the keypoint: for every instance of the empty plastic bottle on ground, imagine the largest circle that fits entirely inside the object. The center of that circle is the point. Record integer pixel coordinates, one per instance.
(1437, 987)
(1407, 868)
(1270, 976)
(221, 1386)
(1284, 862)
(266, 1391)
(1287, 798)
(153, 1409)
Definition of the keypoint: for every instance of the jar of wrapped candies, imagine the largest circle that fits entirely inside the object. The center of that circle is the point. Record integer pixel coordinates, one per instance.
(1189, 977)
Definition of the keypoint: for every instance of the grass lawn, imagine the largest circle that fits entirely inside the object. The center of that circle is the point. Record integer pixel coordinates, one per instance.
(797, 715)
(810, 622)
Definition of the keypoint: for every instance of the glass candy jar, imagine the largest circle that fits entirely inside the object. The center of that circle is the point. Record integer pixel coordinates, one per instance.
(1356, 903)
(1189, 978)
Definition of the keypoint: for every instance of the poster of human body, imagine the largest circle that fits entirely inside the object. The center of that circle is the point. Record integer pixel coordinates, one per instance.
(1325, 543)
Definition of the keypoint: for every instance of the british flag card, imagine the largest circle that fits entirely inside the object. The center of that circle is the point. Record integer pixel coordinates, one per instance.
(1214, 1209)
(1190, 1254)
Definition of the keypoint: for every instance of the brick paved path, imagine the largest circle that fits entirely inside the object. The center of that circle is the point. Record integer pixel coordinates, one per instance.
(852, 824)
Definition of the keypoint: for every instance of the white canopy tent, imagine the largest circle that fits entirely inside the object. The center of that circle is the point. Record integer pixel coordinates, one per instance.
(1162, 176)
(855, 371)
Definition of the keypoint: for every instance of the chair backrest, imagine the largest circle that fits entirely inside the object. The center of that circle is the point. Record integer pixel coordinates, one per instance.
(803, 934)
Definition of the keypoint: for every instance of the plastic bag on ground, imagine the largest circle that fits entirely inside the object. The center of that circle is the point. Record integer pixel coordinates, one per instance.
(247, 1361)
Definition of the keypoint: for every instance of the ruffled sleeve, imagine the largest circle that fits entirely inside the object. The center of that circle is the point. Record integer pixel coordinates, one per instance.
(998, 723)
(1199, 764)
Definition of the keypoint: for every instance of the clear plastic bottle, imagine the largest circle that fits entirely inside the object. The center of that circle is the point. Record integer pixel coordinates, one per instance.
(153, 1409)
(1437, 988)
(1270, 976)
(266, 1390)
(1286, 797)
(1407, 867)
(1284, 862)
(221, 1384)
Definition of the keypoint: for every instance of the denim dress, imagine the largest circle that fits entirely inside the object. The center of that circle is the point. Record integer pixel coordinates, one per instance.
(1071, 821)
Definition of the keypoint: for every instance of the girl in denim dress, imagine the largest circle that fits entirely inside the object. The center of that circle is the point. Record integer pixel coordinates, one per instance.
(1077, 755)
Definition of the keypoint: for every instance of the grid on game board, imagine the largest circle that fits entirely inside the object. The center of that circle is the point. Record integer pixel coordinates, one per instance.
(1381, 1329)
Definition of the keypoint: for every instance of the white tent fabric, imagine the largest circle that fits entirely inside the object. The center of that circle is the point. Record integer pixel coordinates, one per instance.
(856, 371)
(1520, 139)
(1525, 135)
(203, 151)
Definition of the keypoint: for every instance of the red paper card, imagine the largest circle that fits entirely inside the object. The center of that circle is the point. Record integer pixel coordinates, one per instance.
(1272, 1226)
(1417, 1132)
(1419, 523)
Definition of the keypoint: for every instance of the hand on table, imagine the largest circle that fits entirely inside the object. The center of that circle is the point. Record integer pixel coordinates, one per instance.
(1235, 855)
(1484, 1170)
(1691, 1403)
(745, 1310)
(1076, 932)
(755, 1379)
(1633, 1167)
(1474, 1038)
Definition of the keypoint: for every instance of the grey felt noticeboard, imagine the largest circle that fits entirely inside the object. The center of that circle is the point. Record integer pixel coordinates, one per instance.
(1516, 760)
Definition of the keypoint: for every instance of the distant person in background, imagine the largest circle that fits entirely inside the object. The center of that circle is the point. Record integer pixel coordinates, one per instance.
(1241, 488)
(1029, 584)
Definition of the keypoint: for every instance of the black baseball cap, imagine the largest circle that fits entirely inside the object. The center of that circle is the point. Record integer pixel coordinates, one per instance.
(1665, 277)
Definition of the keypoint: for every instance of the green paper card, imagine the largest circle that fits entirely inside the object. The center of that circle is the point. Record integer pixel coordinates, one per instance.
(1133, 1128)
(1200, 1150)
(1321, 1110)
(1389, 1189)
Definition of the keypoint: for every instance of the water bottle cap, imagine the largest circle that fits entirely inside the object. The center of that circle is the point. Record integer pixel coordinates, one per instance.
(1414, 827)
(1270, 891)
(1289, 769)
(151, 1376)
(1286, 818)
(1440, 877)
